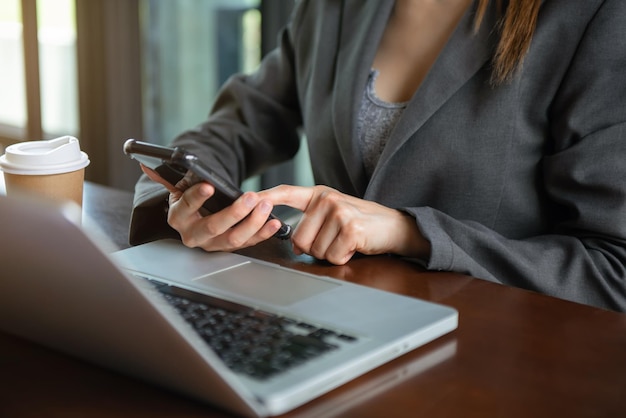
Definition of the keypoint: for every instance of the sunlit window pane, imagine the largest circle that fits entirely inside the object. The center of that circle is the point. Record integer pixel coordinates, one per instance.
(12, 90)
(57, 59)
(190, 48)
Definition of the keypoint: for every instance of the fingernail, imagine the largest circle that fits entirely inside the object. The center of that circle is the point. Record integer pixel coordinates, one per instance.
(205, 190)
(265, 207)
(249, 200)
(275, 228)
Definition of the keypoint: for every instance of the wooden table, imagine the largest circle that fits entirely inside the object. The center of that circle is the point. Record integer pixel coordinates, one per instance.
(515, 354)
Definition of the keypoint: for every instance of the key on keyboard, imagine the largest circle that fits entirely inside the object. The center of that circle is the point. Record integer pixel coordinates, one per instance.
(253, 342)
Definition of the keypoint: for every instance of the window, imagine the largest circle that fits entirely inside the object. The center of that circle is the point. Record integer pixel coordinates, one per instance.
(57, 55)
(146, 69)
(12, 85)
(190, 48)
(37, 104)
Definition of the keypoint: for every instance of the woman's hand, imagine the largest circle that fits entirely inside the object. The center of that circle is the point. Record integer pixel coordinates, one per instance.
(334, 226)
(240, 225)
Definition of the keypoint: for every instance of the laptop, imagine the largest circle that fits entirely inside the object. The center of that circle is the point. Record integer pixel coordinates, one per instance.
(247, 336)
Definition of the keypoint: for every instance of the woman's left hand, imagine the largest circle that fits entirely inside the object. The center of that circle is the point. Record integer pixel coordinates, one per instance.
(334, 226)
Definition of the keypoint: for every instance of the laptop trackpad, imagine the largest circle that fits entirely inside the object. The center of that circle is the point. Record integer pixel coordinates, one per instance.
(266, 283)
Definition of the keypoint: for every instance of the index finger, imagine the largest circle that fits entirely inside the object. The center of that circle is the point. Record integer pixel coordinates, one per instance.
(297, 197)
(154, 176)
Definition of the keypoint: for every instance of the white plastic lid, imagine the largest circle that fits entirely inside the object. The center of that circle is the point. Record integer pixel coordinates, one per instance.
(59, 155)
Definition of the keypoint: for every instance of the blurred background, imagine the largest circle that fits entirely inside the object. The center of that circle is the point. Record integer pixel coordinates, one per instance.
(108, 70)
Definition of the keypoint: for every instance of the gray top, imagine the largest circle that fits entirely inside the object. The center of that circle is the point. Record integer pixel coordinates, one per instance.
(376, 121)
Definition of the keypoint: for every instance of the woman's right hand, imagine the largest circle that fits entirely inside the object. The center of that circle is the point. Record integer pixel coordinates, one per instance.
(242, 224)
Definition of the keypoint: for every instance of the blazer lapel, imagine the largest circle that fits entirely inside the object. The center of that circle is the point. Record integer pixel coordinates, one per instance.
(464, 54)
(362, 26)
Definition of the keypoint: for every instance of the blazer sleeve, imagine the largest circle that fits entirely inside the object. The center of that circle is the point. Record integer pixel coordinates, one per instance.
(253, 124)
(583, 257)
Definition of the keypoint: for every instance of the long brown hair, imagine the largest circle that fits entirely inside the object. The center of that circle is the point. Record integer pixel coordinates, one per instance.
(516, 28)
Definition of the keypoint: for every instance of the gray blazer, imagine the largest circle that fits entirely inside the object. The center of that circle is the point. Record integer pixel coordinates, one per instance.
(522, 184)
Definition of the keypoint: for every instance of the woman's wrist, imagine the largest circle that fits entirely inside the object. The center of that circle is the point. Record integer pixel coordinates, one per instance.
(409, 240)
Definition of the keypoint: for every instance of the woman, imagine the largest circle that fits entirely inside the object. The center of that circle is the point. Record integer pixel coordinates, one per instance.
(475, 137)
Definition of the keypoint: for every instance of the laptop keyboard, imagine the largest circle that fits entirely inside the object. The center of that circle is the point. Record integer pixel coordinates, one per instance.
(250, 341)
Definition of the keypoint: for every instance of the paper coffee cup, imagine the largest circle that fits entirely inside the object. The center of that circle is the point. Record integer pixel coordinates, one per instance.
(54, 169)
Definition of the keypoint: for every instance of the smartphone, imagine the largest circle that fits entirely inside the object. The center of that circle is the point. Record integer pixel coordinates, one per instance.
(173, 164)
